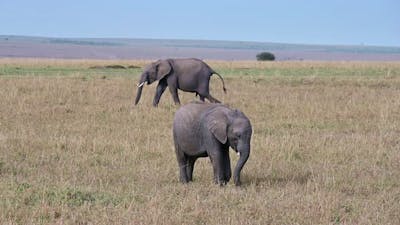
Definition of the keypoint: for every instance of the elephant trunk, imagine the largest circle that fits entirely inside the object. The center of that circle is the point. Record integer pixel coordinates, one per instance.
(142, 81)
(244, 152)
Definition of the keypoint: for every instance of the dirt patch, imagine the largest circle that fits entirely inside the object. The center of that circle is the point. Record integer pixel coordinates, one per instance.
(115, 67)
(108, 67)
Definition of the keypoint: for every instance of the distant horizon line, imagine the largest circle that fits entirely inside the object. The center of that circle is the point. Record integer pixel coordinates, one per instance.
(201, 40)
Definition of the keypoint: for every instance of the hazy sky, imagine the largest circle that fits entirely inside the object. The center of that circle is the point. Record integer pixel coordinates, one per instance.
(350, 22)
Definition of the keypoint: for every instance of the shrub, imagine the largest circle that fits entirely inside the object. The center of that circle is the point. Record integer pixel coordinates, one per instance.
(265, 56)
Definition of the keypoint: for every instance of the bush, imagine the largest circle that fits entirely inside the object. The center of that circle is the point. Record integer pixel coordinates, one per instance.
(265, 56)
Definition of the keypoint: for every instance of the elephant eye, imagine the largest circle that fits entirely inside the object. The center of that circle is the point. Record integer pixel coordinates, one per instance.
(237, 135)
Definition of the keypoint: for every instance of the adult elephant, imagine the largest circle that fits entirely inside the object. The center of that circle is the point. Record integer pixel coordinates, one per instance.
(191, 75)
(207, 129)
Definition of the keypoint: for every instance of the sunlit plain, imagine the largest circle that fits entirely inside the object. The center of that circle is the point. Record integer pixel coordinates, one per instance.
(74, 149)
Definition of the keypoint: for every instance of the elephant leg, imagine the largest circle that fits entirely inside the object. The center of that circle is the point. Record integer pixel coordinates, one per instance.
(214, 169)
(226, 165)
(190, 167)
(162, 85)
(202, 98)
(183, 164)
(174, 93)
(217, 161)
(204, 93)
(212, 99)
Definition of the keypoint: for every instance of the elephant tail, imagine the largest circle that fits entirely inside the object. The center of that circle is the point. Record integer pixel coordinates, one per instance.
(223, 83)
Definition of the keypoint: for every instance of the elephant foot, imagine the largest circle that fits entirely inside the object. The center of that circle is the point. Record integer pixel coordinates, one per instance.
(238, 183)
(221, 183)
(184, 181)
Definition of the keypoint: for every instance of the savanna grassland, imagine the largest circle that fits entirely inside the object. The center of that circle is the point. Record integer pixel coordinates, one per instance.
(73, 150)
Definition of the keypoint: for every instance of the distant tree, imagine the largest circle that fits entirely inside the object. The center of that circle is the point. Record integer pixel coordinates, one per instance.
(265, 56)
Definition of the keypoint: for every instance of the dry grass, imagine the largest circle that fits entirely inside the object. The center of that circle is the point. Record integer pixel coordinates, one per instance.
(325, 149)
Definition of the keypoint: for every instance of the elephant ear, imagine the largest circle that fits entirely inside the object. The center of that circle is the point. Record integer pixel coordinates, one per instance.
(217, 124)
(163, 68)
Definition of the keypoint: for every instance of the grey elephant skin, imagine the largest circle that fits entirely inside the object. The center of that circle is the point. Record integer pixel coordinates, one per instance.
(207, 129)
(190, 75)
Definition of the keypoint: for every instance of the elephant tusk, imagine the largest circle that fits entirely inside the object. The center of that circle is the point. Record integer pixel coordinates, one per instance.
(141, 84)
(238, 153)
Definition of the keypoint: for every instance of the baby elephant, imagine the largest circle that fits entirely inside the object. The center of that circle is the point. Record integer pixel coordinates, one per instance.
(190, 75)
(209, 129)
